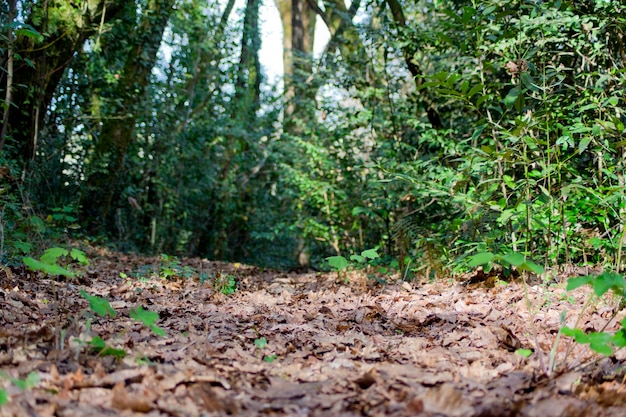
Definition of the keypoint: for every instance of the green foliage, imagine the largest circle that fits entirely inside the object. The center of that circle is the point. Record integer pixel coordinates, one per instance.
(340, 263)
(171, 268)
(48, 263)
(100, 347)
(260, 343)
(526, 157)
(519, 261)
(31, 380)
(604, 343)
(225, 283)
(148, 318)
(98, 305)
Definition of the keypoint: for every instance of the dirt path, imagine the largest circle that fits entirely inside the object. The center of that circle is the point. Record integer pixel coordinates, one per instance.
(293, 345)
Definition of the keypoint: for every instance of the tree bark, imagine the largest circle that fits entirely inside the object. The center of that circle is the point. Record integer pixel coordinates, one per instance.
(298, 20)
(67, 25)
(409, 50)
(106, 165)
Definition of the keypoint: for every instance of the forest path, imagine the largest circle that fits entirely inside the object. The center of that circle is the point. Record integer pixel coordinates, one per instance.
(287, 344)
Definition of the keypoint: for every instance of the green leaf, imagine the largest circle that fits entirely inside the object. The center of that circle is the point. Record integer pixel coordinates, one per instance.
(528, 82)
(609, 281)
(48, 269)
(578, 335)
(357, 258)
(79, 255)
(512, 96)
(52, 255)
(574, 283)
(524, 352)
(475, 90)
(31, 381)
(584, 144)
(619, 338)
(270, 358)
(482, 258)
(370, 254)
(515, 259)
(531, 266)
(103, 349)
(4, 397)
(99, 305)
(338, 262)
(600, 342)
(260, 343)
(148, 318)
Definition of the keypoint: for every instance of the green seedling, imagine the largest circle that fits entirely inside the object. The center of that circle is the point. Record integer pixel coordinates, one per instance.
(99, 305)
(31, 380)
(49, 264)
(260, 343)
(226, 284)
(604, 343)
(100, 347)
(148, 318)
(341, 264)
(488, 260)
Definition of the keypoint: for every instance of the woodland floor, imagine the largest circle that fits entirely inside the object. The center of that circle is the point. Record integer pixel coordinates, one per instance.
(333, 348)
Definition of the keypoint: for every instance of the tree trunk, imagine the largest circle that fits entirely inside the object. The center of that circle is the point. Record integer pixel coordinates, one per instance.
(66, 25)
(298, 20)
(409, 50)
(105, 178)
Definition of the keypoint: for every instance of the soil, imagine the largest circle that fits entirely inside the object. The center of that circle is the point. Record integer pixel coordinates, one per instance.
(298, 344)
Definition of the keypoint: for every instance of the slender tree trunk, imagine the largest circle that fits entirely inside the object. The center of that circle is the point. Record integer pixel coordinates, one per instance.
(298, 20)
(9, 74)
(409, 50)
(106, 167)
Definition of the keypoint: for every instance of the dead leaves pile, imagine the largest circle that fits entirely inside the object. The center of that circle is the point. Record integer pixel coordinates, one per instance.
(297, 344)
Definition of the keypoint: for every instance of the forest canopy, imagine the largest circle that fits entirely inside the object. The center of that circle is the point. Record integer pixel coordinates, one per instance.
(432, 130)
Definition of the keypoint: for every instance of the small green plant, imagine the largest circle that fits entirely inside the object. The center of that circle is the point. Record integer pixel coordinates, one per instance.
(148, 318)
(225, 283)
(171, 267)
(488, 260)
(261, 343)
(50, 262)
(341, 264)
(601, 342)
(99, 346)
(31, 380)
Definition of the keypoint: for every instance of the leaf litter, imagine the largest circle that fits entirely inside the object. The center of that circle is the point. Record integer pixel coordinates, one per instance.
(297, 344)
